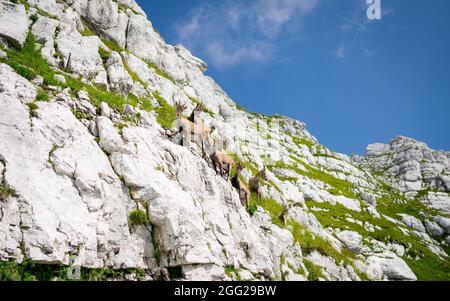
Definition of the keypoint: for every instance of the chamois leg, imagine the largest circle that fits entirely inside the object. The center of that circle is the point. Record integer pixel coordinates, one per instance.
(214, 166)
(228, 172)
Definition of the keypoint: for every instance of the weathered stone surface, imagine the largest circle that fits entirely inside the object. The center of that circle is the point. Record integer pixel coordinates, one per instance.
(391, 266)
(13, 22)
(44, 30)
(352, 240)
(119, 79)
(80, 54)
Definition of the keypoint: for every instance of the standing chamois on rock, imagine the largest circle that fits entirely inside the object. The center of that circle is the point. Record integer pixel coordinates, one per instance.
(195, 115)
(284, 215)
(254, 182)
(192, 132)
(222, 162)
(244, 192)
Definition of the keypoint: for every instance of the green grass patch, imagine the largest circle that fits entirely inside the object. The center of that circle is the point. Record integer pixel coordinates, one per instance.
(42, 95)
(139, 217)
(28, 62)
(112, 45)
(104, 54)
(338, 186)
(165, 113)
(133, 74)
(5, 191)
(314, 272)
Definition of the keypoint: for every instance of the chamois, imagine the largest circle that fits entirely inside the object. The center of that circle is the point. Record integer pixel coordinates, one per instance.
(244, 192)
(284, 214)
(195, 113)
(221, 160)
(193, 130)
(254, 182)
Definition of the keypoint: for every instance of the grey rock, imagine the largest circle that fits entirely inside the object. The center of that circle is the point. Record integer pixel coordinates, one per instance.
(105, 110)
(13, 22)
(60, 78)
(352, 240)
(433, 228)
(119, 79)
(412, 222)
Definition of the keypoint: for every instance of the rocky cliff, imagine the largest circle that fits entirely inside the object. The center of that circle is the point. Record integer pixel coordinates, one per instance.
(93, 174)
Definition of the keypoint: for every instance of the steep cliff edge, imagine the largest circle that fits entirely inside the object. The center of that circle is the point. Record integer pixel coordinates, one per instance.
(91, 176)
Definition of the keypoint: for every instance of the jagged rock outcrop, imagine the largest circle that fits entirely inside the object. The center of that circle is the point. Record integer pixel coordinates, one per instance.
(79, 156)
(414, 168)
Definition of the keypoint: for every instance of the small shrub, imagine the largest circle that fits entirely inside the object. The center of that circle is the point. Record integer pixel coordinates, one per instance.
(9, 271)
(32, 106)
(34, 18)
(42, 95)
(138, 217)
(6, 191)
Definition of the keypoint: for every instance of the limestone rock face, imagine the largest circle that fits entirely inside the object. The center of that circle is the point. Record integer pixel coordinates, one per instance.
(352, 240)
(413, 165)
(80, 159)
(80, 54)
(391, 266)
(119, 79)
(13, 22)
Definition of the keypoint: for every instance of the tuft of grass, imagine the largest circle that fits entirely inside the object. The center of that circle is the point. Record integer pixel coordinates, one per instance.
(146, 105)
(6, 192)
(133, 74)
(42, 95)
(32, 106)
(338, 186)
(104, 54)
(112, 45)
(28, 62)
(139, 217)
(29, 271)
(232, 272)
(165, 113)
(314, 272)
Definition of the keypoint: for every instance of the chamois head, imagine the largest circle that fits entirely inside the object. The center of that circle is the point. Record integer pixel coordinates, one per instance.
(263, 174)
(179, 107)
(226, 143)
(200, 107)
(239, 168)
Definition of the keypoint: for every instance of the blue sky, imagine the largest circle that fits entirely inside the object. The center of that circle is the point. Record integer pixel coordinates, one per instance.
(353, 81)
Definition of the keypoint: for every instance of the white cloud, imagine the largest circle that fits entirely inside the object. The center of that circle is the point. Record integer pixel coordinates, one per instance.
(368, 53)
(235, 31)
(340, 52)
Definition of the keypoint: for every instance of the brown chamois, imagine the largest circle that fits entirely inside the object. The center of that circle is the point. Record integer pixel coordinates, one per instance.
(222, 162)
(194, 131)
(254, 182)
(244, 192)
(284, 214)
(195, 115)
